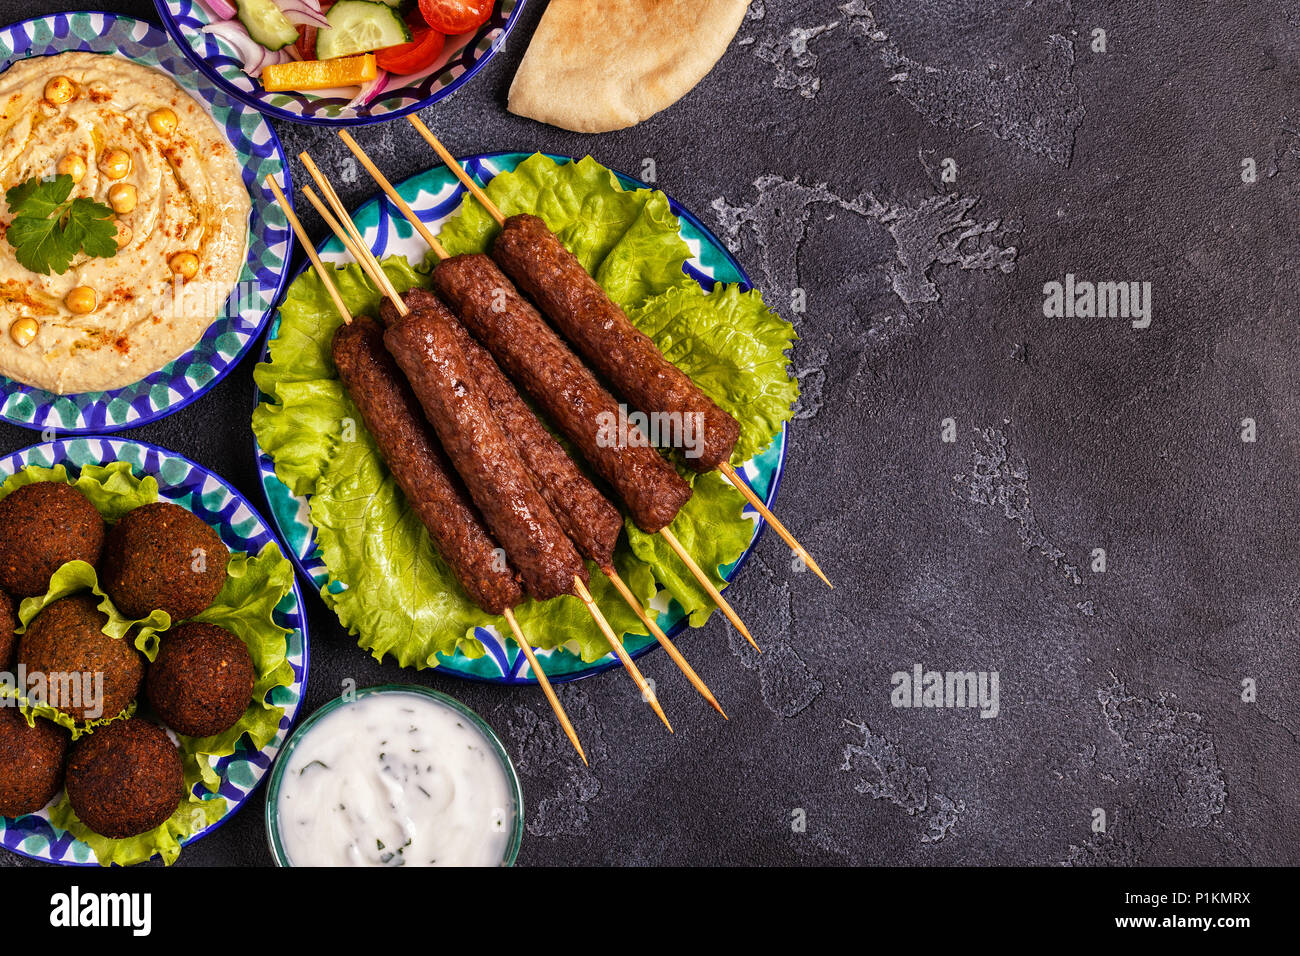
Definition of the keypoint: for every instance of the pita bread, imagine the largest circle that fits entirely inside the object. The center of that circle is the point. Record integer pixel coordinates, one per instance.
(600, 65)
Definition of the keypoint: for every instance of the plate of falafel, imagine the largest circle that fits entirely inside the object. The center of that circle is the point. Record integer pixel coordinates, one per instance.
(153, 651)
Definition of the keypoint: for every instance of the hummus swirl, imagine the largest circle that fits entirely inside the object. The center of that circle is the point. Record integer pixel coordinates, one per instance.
(190, 198)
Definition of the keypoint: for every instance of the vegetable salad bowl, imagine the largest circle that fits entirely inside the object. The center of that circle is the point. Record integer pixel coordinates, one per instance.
(391, 97)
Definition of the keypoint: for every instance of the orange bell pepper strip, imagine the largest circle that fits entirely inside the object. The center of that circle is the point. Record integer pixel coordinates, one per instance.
(298, 75)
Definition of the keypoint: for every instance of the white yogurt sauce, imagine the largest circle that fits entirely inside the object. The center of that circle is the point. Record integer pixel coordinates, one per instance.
(395, 779)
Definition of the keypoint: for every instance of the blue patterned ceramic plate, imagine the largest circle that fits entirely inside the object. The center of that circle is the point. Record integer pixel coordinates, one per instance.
(242, 529)
(462, 57)
(435, 195)
(241, 321)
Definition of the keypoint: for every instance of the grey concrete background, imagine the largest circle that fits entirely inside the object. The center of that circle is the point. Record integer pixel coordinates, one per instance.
(816, 146)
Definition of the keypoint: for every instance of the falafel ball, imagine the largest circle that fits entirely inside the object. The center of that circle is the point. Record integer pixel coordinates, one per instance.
(8, 621)
(125, 778)
(162, 557)
(201, 681)
(43, 526)
(67, 639)
(31, 762)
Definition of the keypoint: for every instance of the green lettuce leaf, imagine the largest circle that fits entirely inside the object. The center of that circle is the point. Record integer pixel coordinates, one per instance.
(35, 710)
(734, 349)
(77, 576)
(627, 238)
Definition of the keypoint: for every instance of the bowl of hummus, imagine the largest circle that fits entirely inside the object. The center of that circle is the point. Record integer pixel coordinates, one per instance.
(142, 252)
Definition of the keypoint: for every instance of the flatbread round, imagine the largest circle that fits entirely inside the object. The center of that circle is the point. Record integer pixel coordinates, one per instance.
(600, 65)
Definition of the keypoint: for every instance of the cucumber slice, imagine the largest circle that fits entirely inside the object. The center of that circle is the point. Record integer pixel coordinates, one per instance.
(266, 24)
(359, 26)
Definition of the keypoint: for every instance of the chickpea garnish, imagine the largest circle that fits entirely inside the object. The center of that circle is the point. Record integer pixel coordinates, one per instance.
(122, 197)
(23, 331)
(81, 300)
(123, 234)
(72, 165)
(163, 121)
(184, 264)
(60, 89)
(115, 163)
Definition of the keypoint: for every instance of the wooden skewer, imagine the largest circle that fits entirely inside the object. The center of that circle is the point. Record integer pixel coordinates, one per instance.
(545, 683)
(367, 257)
(621, 586)
(368, 265)
(303, 241)
(371, 267)
(338, 230)
(705, 583)
(616, 646)
(334, 226)
(761, 507)
(618, 582)
(393, 194)
(466, 180)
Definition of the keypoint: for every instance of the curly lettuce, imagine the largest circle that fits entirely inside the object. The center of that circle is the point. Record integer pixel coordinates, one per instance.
(733, 348)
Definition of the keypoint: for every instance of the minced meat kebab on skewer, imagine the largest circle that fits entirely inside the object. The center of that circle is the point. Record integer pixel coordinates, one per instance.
(393, 417)
(540, 265)
(571, 397)
(587, 516)
(478, 448)
(426, 350)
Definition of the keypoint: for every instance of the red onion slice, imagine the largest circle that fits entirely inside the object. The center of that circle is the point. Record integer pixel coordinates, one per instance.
(248, 51)
(370, 91)
(303, 12)
(222, 9)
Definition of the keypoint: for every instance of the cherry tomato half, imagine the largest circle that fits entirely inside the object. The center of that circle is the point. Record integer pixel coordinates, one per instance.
(407, 58)
(456, 16)
(306, 42)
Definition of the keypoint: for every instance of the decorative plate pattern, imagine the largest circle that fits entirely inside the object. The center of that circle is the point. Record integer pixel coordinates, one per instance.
(463, 56)
(265, 268)
(434, 196)
(242, 529)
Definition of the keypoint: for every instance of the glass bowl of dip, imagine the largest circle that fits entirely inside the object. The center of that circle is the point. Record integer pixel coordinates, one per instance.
(377, 760)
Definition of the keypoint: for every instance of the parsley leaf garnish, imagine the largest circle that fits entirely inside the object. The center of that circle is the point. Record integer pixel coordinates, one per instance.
(48, 230)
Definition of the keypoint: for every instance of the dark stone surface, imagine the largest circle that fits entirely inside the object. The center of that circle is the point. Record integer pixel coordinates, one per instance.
(817, 147)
